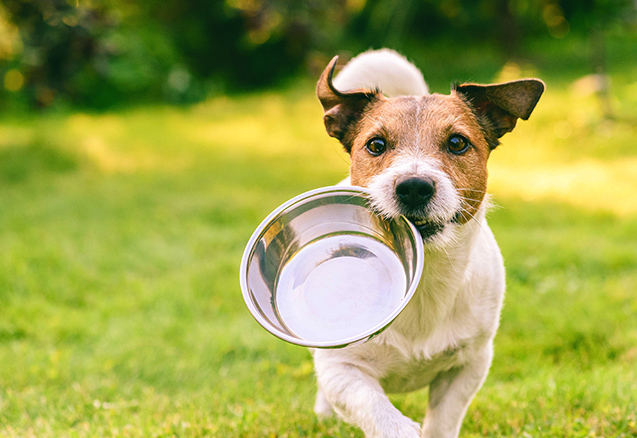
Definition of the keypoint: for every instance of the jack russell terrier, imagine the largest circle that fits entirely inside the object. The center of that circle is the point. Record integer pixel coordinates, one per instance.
(423, 156)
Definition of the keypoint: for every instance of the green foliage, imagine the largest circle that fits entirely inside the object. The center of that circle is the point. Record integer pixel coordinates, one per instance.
(93, 55)
(99, 54)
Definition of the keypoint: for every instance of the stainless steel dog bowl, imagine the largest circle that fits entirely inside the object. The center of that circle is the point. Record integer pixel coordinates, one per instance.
(324, 271)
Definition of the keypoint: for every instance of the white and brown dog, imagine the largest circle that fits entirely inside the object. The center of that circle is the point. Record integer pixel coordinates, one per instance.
(423, 156)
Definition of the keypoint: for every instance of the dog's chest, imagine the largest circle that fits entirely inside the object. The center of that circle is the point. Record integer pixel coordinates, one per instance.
(415, 373)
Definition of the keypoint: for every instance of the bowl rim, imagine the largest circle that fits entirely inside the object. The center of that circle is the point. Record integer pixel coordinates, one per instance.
(344, 342)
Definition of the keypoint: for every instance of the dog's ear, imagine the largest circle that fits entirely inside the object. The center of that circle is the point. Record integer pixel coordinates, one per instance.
(342, 109)
(503, 104)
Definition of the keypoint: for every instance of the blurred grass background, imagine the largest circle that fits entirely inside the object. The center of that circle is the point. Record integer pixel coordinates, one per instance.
(132, 175)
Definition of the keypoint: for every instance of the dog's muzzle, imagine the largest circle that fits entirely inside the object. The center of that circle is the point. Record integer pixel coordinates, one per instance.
(414, 193)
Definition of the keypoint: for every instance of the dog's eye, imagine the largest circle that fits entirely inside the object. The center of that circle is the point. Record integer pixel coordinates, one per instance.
(376, 146)
(457, 144)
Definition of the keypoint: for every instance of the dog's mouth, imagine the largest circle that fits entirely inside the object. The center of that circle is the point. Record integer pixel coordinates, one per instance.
(426, 227)
(429, 228)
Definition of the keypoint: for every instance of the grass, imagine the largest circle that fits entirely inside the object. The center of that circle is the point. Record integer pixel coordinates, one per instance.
(121, 235)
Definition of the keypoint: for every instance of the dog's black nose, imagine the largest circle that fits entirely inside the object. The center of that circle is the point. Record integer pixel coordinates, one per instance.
(415, 192)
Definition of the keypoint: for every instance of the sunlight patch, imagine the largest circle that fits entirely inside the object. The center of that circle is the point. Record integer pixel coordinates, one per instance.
(586, 184)
(108, 160)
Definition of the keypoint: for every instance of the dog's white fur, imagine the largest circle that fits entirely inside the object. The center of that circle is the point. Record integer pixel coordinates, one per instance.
(384, 69)
(444, 337)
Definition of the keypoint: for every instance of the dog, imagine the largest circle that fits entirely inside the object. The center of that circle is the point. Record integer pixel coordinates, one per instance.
(423, 156)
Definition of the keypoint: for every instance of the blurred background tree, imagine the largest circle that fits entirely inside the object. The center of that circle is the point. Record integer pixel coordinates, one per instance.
(103, 53)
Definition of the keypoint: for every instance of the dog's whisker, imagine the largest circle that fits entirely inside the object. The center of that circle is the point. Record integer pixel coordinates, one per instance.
(470, 199)
(464, 210)
(470, 189)
(449, 257)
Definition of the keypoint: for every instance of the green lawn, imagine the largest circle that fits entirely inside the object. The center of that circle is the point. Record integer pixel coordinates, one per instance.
(121, 235)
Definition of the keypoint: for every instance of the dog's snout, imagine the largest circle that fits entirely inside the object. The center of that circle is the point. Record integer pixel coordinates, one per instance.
(415, 192)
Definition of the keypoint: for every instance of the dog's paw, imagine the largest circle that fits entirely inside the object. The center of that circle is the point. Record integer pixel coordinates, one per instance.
(324, 412)
(322, 407)
(399, 428)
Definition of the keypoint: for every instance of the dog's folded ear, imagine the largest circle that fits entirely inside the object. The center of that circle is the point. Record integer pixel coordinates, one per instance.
(503, 104)
(342, 109)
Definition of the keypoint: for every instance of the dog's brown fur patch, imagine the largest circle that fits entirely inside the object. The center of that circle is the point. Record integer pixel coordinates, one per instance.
(421, 126)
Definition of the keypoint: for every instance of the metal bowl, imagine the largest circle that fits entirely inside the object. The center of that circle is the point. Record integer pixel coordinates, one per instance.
(323, 270)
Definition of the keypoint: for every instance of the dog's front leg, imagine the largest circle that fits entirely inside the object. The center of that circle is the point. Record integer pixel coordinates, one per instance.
(359, 399)
(450, 394)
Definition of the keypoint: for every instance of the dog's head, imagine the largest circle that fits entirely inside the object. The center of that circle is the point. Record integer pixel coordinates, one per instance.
(425, 157)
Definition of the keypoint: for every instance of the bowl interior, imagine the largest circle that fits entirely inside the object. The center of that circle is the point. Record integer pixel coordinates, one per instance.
(324, 271)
